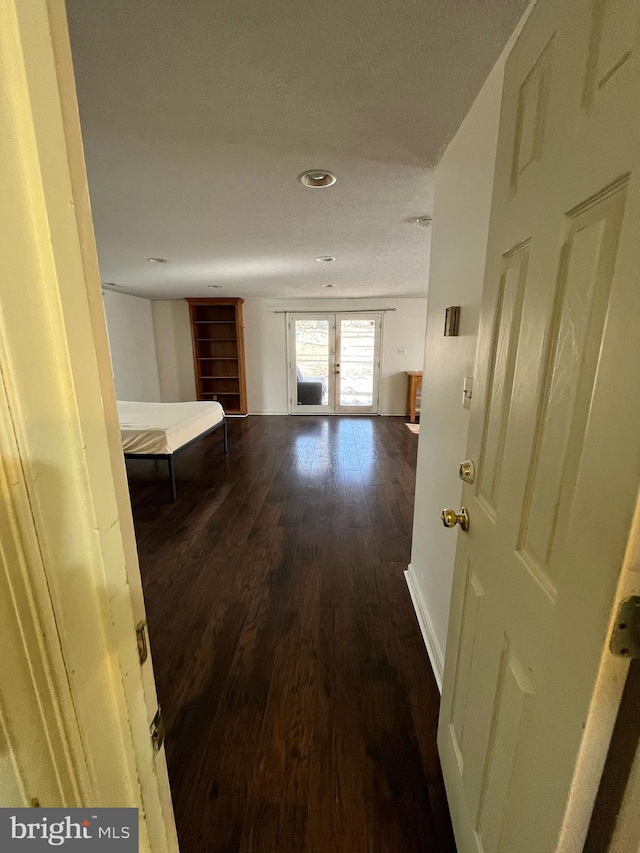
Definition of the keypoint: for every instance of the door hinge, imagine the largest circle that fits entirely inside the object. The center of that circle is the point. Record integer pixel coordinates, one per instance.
(157, 731)
(141, 637)
(625, 639)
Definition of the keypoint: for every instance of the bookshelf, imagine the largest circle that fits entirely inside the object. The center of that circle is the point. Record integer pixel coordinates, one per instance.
(217, 332)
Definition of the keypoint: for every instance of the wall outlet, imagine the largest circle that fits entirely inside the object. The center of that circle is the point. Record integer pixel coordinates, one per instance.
(401, 350)
(467, 392)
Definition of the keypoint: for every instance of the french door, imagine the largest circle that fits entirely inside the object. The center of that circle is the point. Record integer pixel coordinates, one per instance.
(334, 363)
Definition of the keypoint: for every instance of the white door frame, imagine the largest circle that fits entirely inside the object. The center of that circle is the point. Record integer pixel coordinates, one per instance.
(68, 516)
(332, 407)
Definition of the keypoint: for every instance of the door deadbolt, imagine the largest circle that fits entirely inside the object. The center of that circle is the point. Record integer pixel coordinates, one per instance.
(467, 471)
(450, 518)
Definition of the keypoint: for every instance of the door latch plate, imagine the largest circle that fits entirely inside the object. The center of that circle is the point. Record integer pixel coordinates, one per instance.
(625, 639)
(157, 731)
(141, 637)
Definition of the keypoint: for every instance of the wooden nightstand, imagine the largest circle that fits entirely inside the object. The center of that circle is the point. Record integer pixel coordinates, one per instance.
(414, 394)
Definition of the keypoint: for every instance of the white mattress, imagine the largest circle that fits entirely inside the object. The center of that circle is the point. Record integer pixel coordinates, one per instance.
(164, 427)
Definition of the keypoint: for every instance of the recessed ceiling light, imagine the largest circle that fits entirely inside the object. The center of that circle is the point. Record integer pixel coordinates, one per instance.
(325, 259)
(328, 285)
(317, 178)
(217, 286)
(158, 260)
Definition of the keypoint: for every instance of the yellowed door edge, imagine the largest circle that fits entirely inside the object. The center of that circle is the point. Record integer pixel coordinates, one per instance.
(42, 758)
(61, 406)
(600, 724)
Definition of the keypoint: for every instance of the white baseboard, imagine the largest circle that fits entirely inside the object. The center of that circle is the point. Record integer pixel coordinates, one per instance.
(382, 414)
(426, 626)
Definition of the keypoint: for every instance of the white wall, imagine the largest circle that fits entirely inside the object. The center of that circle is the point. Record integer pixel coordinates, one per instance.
(464, 180)
(132, 344)
(266, 348)
(172, 330)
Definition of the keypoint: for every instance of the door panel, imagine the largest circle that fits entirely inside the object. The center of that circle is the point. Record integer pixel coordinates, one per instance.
(554, 434)
(357, 363)
(583, 296)
(312, 372)
(614, 41)
(473, 601)
(512, 285)
(532, 116)
(513, 697)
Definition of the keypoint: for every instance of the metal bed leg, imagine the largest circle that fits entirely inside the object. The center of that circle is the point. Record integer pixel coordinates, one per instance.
(172, 479)
(225, 437)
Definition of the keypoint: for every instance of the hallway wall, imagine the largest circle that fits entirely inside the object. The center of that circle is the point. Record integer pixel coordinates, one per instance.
(172, 330)
(464, 181)
(132, 346)
(266, 347)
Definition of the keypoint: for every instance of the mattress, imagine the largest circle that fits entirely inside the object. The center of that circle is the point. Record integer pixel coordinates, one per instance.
(164, 427)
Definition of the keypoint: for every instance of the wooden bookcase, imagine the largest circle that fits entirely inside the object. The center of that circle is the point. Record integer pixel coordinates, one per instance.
(217, 331)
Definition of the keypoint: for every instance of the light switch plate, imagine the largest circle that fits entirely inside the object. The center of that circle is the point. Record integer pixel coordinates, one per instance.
(401, 350)
(467, 392)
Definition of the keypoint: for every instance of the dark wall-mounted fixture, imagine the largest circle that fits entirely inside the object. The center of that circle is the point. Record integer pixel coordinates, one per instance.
(451, 321)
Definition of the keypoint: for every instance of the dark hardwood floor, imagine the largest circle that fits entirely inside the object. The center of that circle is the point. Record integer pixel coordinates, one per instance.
(300, 706)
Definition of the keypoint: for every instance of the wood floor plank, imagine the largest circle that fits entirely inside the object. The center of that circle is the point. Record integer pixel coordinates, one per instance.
(301, 710)
(280, 784)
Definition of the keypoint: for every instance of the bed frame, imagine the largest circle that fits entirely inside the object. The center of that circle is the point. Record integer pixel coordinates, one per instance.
(170, 456)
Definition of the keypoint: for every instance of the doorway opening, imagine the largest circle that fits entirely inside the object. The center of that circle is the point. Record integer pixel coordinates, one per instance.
(334, 363)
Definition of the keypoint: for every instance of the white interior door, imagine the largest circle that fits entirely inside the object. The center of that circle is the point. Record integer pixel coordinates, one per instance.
(554, 435)
(334, 363)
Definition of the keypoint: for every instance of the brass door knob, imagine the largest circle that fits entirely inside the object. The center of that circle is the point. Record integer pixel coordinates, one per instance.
(450, 518)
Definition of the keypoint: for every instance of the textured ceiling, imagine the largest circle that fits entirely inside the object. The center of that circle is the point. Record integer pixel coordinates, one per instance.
(198, 116)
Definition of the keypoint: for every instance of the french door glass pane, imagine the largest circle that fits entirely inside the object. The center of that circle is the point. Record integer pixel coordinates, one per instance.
(356, 360)
(312, 362)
